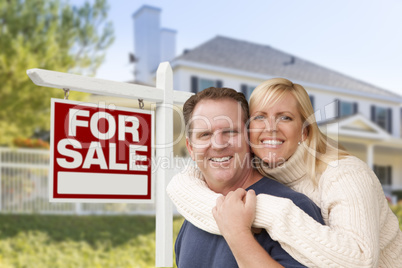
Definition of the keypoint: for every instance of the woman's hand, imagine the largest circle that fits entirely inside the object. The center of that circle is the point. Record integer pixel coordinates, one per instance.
(235, 212)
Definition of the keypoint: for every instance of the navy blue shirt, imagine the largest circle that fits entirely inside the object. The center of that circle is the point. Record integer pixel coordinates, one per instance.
(197, 248)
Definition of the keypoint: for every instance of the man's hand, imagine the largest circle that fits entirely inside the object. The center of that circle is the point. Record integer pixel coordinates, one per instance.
(235, 212)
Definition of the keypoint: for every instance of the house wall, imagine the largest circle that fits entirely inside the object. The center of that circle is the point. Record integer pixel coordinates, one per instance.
(182, 78)
(325, 107)
(390, 157)
(324, 100)
(325, 104)
(383, 156)
(397, 171)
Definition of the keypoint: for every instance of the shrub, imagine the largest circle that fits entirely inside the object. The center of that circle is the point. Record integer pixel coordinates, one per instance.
(397, 209)
(30, 143)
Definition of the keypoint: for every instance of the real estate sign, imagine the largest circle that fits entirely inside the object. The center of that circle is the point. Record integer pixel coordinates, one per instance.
(100, 154)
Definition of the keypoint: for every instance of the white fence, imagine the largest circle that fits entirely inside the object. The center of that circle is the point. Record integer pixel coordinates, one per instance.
(24, 187)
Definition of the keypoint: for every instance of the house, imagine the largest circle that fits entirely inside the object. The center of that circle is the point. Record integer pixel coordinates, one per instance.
(364, 118)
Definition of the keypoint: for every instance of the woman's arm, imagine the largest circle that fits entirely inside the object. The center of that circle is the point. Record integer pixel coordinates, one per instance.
(193, 199)
(351, 238)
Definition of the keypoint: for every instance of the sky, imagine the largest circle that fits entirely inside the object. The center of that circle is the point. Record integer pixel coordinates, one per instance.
(359, 38)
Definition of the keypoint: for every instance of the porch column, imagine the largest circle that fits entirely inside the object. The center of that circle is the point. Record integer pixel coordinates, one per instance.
(370, 155)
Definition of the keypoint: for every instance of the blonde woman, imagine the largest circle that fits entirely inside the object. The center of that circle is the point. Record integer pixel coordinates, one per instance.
(360, 230)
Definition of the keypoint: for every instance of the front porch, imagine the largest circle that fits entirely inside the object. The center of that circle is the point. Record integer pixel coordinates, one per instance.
(366, 140)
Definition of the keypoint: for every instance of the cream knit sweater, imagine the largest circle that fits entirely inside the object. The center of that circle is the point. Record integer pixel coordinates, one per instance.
(360, 230)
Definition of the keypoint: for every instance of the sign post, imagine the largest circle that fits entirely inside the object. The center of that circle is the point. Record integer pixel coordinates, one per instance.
(163, 96)
(164, 147)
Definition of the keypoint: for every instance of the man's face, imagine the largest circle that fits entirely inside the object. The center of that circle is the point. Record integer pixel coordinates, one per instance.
(218, 143)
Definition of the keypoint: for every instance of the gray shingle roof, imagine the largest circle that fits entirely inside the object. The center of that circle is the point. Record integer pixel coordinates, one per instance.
(262, 59)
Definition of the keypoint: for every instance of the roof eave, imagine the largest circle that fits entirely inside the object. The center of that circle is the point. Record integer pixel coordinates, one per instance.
(180, 62)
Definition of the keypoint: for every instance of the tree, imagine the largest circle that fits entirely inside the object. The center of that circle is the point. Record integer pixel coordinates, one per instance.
(46, 34)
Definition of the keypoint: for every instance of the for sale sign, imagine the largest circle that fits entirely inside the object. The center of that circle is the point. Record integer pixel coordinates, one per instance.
(100, 154)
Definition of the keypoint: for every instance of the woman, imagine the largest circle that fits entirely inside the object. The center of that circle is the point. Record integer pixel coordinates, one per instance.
(360, 231)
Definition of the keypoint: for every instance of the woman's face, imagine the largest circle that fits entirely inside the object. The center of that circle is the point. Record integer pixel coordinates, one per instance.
(276, 131)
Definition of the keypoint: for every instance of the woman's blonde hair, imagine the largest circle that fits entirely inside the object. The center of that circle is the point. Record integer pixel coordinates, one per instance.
(320, 149)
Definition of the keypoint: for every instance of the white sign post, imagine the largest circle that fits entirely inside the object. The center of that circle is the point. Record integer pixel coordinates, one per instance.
(163, 96)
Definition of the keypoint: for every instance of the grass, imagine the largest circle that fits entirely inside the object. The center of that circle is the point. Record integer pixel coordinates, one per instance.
(83, 241)
(78, 241)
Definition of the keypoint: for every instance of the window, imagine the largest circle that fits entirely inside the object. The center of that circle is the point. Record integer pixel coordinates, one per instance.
(247, 90)
(384, 174)
(312, 101)
(199, 84)
(400, 122)
(206, 83)
(346, 108)
(382, 117)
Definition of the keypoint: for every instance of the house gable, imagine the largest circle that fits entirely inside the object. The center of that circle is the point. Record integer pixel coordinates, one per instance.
(355, 126)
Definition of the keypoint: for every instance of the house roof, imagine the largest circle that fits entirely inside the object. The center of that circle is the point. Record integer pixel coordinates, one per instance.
(262, 59)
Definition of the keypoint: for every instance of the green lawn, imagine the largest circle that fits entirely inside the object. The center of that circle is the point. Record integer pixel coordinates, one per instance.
(83, 241)
(78, 241)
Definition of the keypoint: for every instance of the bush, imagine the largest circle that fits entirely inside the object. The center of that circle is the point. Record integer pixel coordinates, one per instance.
(30, 143)
(397, 209)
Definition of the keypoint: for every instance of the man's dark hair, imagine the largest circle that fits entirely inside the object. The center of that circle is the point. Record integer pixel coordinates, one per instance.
(214, 93)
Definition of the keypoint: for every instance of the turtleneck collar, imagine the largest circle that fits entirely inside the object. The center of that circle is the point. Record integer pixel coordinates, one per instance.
(292, 170)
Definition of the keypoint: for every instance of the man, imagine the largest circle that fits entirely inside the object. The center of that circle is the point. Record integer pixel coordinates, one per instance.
(217, 141)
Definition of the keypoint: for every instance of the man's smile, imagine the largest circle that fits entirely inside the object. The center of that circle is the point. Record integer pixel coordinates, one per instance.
(220, 159)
